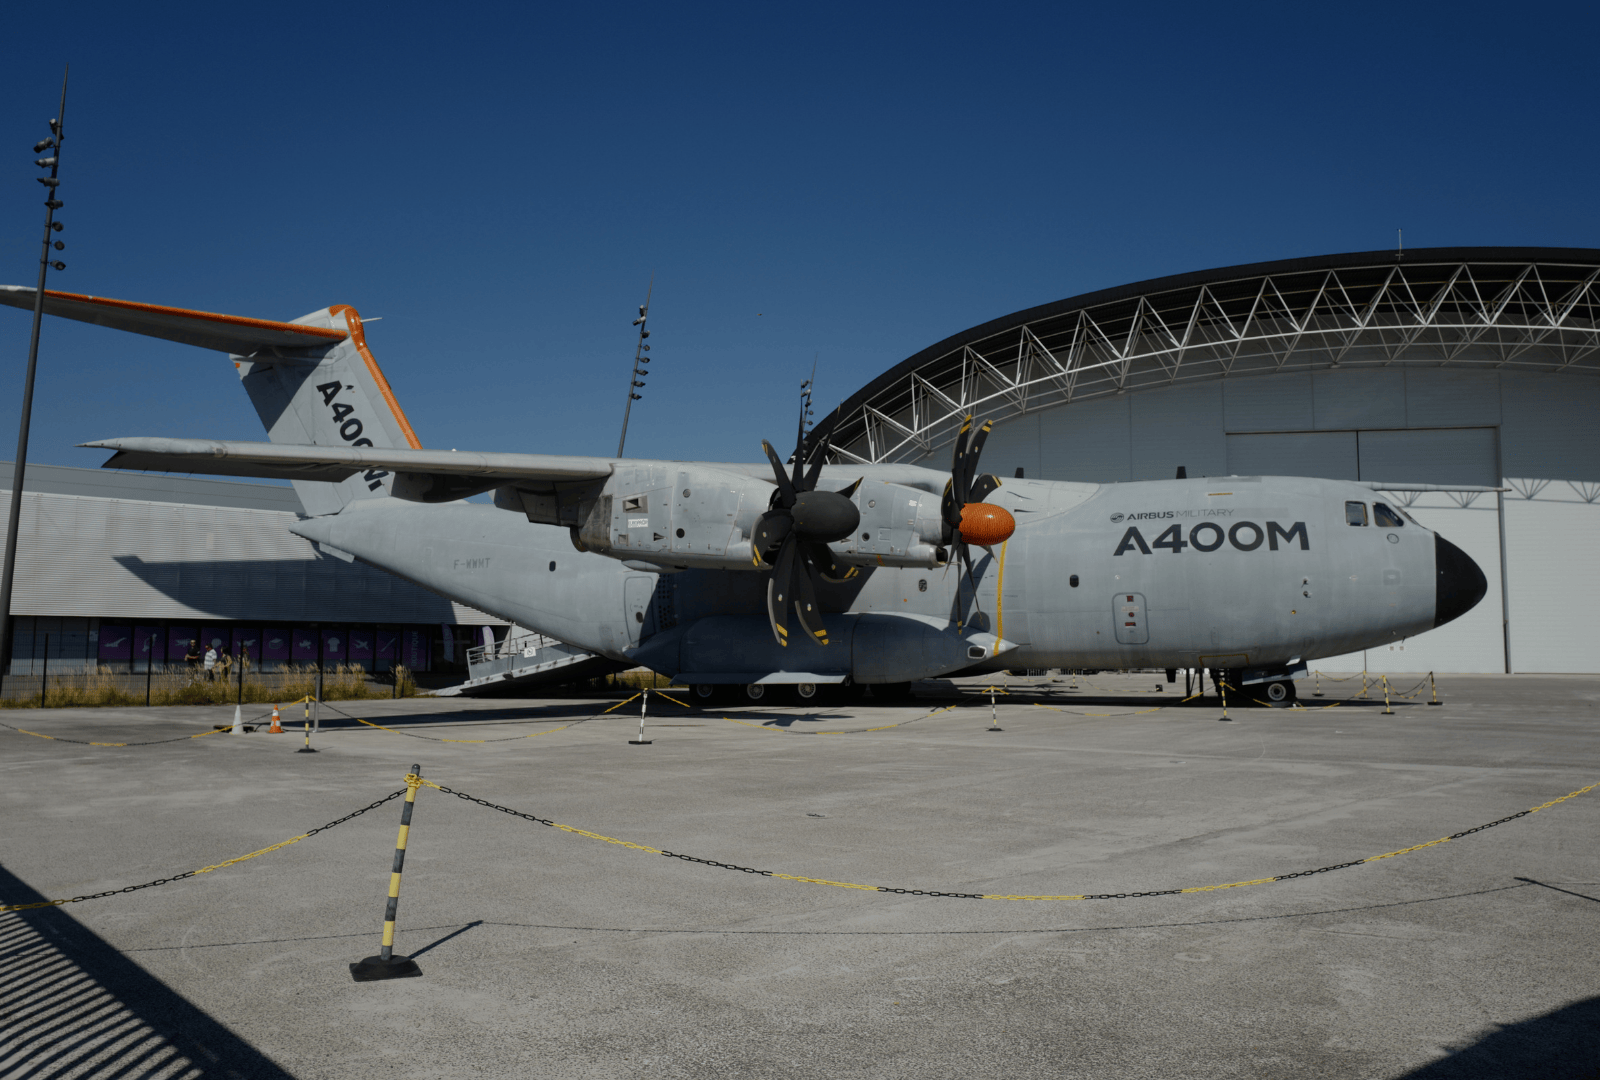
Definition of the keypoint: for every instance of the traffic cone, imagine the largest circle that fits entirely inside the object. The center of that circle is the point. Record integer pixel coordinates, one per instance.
(238, 721)
(276, 728)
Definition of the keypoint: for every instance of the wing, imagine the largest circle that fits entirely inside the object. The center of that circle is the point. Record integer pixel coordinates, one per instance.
(282, 461)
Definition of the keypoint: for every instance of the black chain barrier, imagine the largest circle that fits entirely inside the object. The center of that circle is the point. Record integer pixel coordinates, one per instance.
(436, 738)
(205, 869)
(994, 896)
(146, 742)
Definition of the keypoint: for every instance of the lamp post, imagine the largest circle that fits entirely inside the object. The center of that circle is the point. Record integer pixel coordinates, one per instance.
(640, 360)
(51, 147)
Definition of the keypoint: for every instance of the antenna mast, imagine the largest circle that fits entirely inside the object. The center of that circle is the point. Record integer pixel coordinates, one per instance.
(51, 147)
(640, 360)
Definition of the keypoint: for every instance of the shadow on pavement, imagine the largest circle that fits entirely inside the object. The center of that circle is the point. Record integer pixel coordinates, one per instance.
(71, 1004)
(1560, 1045)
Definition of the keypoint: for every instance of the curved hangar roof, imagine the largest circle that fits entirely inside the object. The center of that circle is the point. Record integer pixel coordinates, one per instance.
(1527, 308)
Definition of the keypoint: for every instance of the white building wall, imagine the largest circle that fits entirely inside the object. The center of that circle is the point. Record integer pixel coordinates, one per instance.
(86, 557)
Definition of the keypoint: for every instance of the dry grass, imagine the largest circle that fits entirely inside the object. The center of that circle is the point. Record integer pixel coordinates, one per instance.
(347, 682)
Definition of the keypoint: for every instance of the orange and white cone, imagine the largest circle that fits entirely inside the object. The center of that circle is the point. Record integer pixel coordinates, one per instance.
(276, 728)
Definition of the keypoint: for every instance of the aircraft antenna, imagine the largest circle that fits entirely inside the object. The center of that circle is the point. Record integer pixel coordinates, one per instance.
(51, 148)
(640, 361)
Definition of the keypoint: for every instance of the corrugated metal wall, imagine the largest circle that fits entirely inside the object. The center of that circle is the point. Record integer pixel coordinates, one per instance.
(1537, 434)
(132, 559)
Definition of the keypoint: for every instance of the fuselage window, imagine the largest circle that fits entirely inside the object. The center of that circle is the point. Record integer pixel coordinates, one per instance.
(1386, 518)
(1355, 513)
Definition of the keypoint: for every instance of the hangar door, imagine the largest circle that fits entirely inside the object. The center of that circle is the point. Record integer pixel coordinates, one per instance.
(1473, 643)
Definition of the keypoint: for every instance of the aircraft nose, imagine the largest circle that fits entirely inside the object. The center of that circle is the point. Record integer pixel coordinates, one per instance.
(1459, 583)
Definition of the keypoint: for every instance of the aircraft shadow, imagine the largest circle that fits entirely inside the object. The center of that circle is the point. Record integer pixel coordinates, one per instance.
(77, 1006)
(275, 590)
(1561, 1043)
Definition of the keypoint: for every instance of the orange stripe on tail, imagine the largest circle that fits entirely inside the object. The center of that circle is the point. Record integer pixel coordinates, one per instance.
(357, 335)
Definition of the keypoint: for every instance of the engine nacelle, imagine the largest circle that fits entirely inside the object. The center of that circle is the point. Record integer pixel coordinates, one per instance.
(866, 647)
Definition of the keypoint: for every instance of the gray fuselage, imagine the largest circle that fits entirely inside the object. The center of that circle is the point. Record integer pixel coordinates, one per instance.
(1222, 572)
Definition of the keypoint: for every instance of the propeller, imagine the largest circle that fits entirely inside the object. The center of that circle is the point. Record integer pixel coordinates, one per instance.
(792, 539)
(967, 518)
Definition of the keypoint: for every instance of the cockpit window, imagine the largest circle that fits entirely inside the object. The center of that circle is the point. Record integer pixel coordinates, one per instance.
(1355, 513)
(1386, 518)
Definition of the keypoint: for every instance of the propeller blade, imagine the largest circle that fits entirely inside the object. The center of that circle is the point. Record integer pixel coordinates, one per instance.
(958, 459)
(799, 450)
(810, 481)
(983, 487)
(829, 567)
(950, 514)
(851, 490)
(786, 490)
(769, 533)
(966, 561)
(805, 600)
(969, 467)
(780, 591)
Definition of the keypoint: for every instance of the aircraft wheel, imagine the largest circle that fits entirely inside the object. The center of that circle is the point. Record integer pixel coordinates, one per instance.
(706, 694)
(755, 691)
(807, 692)
(1280, 693)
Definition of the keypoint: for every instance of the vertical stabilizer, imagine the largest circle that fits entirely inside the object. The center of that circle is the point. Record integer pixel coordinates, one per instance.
(332, 397)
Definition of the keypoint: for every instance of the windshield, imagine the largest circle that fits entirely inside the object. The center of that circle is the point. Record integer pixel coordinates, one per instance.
(1386, 518)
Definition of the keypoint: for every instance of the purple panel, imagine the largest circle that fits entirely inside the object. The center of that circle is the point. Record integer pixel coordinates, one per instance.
(247, 643)
(274, 643)
(414, 649)
(387, 643)
(303, 645)
(361, 644)
(116, 642)
(147, 644)
(178, 638)
(215, 637)
(334, 642)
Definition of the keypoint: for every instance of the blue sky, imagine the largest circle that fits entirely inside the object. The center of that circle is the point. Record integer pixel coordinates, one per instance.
(850, 183)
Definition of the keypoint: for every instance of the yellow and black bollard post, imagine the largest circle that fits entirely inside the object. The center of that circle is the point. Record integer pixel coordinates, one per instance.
(1222, 690)
(994, 718)
(307, 748)
(1388, 710)
(1316, 681)
(1363, 683)
(386, 965)
(644, 703)
(1435, 686)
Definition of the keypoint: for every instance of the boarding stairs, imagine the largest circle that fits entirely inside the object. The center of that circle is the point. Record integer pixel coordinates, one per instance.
(526, 659)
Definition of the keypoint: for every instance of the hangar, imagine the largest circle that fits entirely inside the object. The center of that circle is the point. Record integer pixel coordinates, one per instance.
(120, 570)
(1474, 371)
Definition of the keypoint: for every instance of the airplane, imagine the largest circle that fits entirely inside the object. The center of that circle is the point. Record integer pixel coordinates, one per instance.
(892, 573)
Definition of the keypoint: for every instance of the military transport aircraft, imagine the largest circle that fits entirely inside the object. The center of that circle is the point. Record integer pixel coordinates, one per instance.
(891, 572)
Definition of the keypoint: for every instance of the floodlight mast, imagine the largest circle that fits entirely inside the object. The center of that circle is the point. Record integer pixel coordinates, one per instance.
(639, 362)
(52, 185)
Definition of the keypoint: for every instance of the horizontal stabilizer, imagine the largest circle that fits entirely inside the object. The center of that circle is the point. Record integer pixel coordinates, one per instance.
(232, 334)
(282, 461)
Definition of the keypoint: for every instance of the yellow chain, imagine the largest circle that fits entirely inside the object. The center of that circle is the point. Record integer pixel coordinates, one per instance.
(1018, 896)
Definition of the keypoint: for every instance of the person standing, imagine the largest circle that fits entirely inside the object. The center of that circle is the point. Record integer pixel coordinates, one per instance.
(211, 661)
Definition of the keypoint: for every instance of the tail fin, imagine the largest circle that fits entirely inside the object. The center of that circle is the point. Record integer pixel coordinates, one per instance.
(313, 381)
(339, 398)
